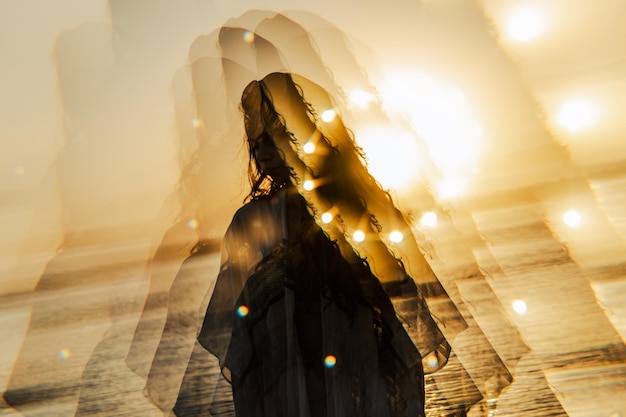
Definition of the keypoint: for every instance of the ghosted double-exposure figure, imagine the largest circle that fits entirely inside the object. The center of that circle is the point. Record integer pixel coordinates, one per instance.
(301, 318)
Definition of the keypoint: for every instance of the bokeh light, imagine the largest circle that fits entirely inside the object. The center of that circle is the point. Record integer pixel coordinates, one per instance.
(308, 185)
(327, 217)
(396, 236)
(309, 147)
(330, 361)
(432, 361)
(572, 218)
(520, 307)
(242, 311)
(195, 123)
(248, 36)
(526, 23)
(192, 224)
(358, 236)
(64, 354)
(429, 219)
(328, 115)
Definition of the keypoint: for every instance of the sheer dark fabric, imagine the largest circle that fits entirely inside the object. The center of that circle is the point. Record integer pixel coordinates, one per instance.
(299, 330)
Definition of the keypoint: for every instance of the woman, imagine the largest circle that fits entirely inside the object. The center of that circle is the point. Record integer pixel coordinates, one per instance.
(299, 319)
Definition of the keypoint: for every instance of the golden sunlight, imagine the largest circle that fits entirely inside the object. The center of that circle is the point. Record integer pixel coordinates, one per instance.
(392, 154)
(442, 118)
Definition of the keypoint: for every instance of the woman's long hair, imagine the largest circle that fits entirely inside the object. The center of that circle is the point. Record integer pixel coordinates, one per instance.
(337, 168)
(330, 172)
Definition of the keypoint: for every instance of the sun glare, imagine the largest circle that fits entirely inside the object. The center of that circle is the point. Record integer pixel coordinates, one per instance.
(441, 117)
(393, 155)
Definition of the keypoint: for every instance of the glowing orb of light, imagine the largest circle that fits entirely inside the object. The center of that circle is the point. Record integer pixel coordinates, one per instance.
(64, 354)
(572, 218)
(309, 147)
(577, 115)
(242, 311)
(248, 36)
(330, 361)
(328, 115)
(308, 185)
(358, 236)
(520, 307)
(192, 224)
(361, 98)
(526, 23)
(327, 217)
(432, 361)
(396, 236)
(429, 219)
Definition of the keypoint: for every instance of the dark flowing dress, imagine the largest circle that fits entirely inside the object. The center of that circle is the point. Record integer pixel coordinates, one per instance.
(301, 332)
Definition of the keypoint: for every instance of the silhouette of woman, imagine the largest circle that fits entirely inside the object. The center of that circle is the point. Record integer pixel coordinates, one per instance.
(301, 318)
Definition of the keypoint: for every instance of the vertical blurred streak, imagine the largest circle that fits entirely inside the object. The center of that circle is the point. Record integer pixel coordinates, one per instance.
(203, 200)
(169, 319)
(171, 243)
(82, 57)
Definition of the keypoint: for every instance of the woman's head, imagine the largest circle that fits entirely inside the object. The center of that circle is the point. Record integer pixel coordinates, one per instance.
(268, 159)
(331, 175)
(276, 113)
(286, 112)
(266, 138)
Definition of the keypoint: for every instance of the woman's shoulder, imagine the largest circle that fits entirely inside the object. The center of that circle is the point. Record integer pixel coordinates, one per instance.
(250, 210)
